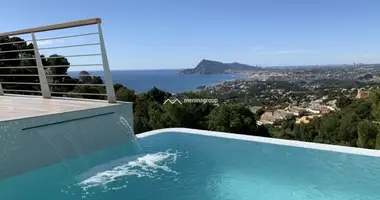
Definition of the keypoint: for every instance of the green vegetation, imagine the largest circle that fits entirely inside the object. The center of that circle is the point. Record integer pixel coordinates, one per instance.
(150, 113)
(356, 125)
(56, 75)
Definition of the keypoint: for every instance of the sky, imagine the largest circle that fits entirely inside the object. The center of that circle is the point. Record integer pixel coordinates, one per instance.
(175, 34)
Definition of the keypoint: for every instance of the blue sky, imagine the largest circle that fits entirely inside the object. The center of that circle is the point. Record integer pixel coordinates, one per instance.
(166, 34)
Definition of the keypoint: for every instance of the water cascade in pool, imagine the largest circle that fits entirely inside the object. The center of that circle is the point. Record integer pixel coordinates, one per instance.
(129, 131)
(92, 175)
(114, 174)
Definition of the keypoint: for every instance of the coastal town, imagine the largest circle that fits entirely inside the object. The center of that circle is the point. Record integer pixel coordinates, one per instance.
(300, 94)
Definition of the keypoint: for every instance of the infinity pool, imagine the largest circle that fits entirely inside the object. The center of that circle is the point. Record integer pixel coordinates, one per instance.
(173, 165)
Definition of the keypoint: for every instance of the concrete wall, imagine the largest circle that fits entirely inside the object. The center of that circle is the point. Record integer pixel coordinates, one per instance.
(31, 143)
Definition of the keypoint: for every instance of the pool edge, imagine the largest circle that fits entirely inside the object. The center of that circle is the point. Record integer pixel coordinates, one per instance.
(294, 143)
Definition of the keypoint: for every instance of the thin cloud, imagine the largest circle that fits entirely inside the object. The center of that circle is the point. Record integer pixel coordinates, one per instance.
(44, 42)
(49, 42)
(286, 52)
(258, 48)
(370, 55)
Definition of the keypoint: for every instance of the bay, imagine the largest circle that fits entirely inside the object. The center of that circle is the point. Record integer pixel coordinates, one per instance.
(167, 80)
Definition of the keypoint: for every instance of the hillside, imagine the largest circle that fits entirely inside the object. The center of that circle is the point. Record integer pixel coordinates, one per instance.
(215, 67)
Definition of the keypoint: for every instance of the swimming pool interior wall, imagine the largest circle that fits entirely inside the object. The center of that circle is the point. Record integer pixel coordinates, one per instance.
(30, 143)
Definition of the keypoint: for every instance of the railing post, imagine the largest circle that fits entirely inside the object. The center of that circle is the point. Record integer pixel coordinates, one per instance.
(107, 72)
(41, 71)
(1, 90)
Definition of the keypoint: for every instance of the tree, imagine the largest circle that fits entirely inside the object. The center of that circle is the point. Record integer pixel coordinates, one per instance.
(157, 95)
(189, 115)
(342, 102)
(87, 92)
(367, 133)
(156, 116)
(141, 115)
(328, 128)
(18, 65)
(125, 94)
(55, 66)
(305, 132)
(260, 111)
(117, 86)
(377, 146)
(262, 131)
(234, 118)
(84, 77)
(96, 80)
(375, 98)
(347, 133)
(61, 64)
(288, 125)
(363, 109)
(56, 72)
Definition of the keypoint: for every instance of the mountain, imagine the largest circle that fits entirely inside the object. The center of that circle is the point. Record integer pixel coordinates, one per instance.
(215, 67)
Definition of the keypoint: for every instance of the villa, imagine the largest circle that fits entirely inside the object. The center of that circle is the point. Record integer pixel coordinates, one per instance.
(362, 94)
(306, 119)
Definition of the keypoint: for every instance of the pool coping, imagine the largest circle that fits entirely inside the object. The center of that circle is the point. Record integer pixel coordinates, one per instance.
(294, 143)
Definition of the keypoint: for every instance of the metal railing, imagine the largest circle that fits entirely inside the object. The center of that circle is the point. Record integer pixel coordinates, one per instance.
(43, 76)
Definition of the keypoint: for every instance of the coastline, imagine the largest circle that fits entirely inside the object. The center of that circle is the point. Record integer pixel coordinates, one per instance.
(141, 81)
(169, 80)
(244, 76)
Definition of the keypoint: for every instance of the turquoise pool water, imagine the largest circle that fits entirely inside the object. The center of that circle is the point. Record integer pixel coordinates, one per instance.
(171, 166)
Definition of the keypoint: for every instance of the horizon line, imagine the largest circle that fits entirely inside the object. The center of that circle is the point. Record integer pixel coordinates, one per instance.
(271, 66)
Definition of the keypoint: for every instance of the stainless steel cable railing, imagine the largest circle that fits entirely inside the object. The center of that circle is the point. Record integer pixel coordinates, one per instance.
(43, 72)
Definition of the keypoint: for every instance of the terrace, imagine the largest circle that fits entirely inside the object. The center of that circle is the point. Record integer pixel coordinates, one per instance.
(34, 103)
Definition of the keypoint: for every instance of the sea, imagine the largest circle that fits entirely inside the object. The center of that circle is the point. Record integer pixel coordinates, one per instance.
(168, 80)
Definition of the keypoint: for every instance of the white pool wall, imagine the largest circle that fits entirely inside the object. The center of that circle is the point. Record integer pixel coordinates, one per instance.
(293, 143)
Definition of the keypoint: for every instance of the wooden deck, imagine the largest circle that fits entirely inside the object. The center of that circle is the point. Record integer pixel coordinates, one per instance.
(25, 106)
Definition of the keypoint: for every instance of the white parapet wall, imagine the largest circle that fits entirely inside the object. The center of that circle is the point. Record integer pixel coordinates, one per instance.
(31, 143)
